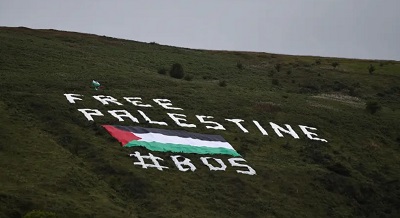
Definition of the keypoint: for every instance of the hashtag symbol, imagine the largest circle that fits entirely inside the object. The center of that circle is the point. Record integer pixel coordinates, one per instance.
(154, 160)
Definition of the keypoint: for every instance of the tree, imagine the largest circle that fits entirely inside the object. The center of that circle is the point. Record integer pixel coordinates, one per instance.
(176, 71)
(373, 107)
(335, 64)
(371, 69)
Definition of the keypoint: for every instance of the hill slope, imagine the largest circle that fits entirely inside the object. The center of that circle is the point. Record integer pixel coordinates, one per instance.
(53, 159)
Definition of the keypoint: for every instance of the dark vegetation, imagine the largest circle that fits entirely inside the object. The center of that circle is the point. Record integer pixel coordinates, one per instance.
(239, 65)
(335, 64)
(373, 107)
(371, 69)
(222, 83)
(55, 162)
(177, 71)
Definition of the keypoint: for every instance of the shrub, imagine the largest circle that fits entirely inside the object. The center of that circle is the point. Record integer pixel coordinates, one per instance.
(162, 71)
(371, 69)
(275, 82)
(239, 65)
(372, 107)
(188, 77)
(176, 71)
(318, 62)
(278, 67)
(335, 64)
(289, 72)
(222, 83)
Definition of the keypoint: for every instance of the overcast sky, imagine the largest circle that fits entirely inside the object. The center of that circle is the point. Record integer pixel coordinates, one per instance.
(367, 29)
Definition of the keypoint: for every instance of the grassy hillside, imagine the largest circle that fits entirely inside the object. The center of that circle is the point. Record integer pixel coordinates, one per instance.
(53, 159)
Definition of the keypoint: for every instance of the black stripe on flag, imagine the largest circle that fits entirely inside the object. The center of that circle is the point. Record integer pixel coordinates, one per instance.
(179, 133)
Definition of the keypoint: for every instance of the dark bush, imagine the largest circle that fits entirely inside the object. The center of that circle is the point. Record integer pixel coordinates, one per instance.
(371, 69)
(275, 82)
(317, 62)
(222, 83)
(162, 71)
(278, 67)
(372, 107)
(239, 65)
(176, 71)
(335, 64)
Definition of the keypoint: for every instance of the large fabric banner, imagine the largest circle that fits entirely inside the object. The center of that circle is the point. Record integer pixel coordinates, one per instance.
(170, 140)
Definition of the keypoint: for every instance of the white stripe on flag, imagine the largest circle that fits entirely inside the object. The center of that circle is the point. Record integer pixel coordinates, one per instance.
(157, 137)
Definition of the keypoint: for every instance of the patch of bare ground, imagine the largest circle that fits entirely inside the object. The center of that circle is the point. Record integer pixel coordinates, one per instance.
(319, 105)
(349, 100)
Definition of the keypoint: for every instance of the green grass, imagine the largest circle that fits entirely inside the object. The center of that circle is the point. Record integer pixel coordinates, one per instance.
(52, 159)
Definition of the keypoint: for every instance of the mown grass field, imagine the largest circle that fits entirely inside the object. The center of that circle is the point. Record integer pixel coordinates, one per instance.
(54, 160)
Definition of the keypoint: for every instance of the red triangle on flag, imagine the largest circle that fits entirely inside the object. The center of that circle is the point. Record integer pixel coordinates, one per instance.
(124, 137)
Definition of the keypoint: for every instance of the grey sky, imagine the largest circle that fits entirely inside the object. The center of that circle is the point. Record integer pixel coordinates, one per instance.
(367, 29)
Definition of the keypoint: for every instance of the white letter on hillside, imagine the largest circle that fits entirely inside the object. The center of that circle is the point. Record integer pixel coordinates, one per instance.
(217, 125)
(105, 99)
(311, 135)
(90, 112)
(250, 171)
(150, 121)
(185, 162)
(137, 101)
(237, 122)
(177, 119)
(71, 98)
(289, 130)
(262, 130)
(123, 113)
(212, 168)
(165, 103)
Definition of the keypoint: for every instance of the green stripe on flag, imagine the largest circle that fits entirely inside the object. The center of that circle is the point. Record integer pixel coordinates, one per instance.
(169, 147)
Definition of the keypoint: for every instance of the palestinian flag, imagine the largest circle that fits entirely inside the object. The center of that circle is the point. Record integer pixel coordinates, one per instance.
(170, 140)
